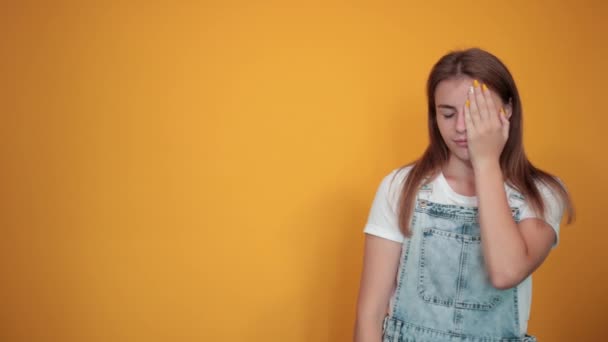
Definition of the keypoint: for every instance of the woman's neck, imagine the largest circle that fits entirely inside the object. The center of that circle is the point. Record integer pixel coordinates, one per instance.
(459, 174)
(459, 170)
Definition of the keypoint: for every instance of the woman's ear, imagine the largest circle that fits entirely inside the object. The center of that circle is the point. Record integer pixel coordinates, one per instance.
(509, 109)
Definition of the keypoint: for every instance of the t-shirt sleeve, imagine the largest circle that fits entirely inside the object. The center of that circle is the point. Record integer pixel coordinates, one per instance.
(554, 210)
(382, 220)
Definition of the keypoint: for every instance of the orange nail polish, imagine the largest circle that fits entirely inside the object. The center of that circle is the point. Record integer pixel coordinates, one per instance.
(467, 104)
(475, 83)
(483, 86)
(502, 111)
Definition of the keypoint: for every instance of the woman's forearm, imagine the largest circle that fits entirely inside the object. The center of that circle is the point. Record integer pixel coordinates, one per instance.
(503, 246)
(368, 330)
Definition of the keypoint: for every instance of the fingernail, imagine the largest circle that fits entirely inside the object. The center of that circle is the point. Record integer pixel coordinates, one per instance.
(468, 104)
(475, 83)
(483, 86)
(471, 90)
(502, 112)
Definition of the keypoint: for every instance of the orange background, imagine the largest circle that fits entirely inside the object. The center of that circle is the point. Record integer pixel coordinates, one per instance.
(179, 172)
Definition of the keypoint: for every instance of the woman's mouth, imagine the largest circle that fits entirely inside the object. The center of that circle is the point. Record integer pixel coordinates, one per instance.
(461, 143)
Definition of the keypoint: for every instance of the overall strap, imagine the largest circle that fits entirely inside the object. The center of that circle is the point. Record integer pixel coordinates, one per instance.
(425, 191)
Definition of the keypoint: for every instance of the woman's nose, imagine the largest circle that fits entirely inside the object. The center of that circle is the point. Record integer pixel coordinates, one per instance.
(461, 126)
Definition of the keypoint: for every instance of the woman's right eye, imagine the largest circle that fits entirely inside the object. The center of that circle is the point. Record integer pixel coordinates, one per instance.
(448, 115)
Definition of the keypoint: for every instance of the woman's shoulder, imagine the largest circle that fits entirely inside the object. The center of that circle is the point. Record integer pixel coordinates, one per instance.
(401, 172)
(397, 176)
(545, 189)
(550, 197)
(392, 182)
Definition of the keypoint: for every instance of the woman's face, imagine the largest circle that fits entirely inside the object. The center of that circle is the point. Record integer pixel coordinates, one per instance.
(450, 97)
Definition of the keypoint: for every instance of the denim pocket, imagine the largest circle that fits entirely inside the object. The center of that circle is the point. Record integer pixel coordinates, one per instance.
(451, 271)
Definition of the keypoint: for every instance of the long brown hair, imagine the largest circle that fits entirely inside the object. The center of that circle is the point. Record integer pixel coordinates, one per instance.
(516, 168)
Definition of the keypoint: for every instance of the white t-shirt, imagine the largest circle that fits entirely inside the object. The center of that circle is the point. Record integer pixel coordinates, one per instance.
(383, 221)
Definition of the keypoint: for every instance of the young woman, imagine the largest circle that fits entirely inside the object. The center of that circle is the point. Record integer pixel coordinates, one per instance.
(453, 238)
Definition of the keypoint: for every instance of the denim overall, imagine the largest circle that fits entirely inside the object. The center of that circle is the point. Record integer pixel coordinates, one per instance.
(443, 291)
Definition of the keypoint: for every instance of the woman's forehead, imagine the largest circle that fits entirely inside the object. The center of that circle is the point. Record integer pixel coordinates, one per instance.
(453, 88)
